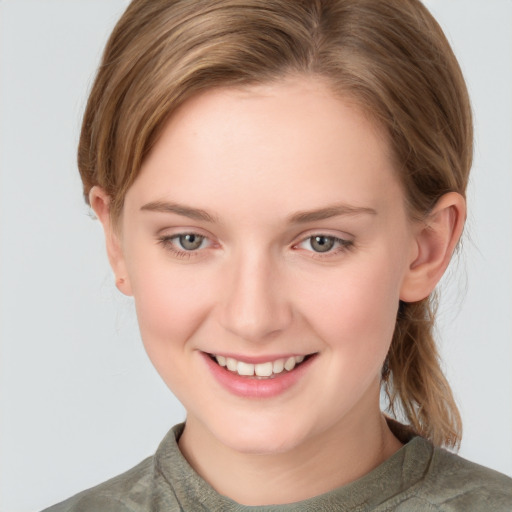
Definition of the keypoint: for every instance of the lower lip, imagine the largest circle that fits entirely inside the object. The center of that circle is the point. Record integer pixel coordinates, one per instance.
(252, 387)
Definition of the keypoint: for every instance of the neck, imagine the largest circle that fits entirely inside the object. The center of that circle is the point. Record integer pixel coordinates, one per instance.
(278, 478)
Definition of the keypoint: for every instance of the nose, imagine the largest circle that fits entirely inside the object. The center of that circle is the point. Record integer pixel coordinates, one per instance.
(256, 307)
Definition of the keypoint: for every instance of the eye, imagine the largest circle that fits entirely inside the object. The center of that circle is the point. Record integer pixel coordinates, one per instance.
(189, 241)
(324, 244)
(185, 245)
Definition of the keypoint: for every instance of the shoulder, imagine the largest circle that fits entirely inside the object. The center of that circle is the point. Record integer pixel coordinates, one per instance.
(452, 483)
(127, 492)
(142, 488)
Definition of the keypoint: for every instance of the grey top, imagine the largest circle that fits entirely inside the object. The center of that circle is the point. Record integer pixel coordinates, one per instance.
(418, 477)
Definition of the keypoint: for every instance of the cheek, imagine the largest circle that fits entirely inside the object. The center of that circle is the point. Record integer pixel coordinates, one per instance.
(355, 309)
(170, 303)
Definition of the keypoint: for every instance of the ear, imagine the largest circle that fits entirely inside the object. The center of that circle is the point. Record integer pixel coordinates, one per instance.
(100, 203)
(435, 240)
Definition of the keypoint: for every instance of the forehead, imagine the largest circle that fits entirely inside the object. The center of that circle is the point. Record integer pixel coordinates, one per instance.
(277, 144)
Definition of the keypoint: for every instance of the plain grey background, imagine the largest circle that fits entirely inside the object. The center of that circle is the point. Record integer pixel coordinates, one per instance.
(80, 401)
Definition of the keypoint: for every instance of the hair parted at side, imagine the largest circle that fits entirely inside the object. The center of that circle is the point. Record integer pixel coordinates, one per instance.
(390, 57)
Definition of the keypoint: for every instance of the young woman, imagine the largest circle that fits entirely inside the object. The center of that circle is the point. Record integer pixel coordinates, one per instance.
(282, 185)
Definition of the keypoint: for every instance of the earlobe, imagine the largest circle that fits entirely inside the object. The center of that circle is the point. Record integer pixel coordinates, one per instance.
(100, 203)
(435, 240)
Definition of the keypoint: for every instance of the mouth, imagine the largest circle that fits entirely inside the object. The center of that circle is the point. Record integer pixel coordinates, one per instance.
(263, 370)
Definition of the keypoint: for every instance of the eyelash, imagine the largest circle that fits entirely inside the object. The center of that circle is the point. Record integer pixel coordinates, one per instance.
(340, 245)
(168, 242)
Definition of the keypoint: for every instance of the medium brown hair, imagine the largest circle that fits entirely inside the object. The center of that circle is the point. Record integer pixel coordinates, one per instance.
(390, 57)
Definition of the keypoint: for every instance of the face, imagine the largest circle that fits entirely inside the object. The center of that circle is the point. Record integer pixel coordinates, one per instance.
(266, 243)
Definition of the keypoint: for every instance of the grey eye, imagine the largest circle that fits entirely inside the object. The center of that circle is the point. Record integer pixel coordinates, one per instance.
(191, 241)
(322, 243)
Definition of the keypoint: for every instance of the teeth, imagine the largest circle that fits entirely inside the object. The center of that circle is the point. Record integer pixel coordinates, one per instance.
(278, 366)
(289, 364)
(231, 364)
(261, 369)
(245, 368)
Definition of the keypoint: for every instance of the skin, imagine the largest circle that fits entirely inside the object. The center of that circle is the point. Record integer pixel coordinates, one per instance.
(252, 159)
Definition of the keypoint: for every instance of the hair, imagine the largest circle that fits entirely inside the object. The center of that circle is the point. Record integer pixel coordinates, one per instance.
(389, 57)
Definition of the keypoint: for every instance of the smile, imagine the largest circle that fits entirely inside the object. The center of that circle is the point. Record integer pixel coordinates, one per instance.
(267, 369)
(260, 377)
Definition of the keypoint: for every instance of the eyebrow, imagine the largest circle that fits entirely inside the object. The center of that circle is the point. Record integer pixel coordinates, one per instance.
(179, 209)
(297, 218)
(330, 211)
